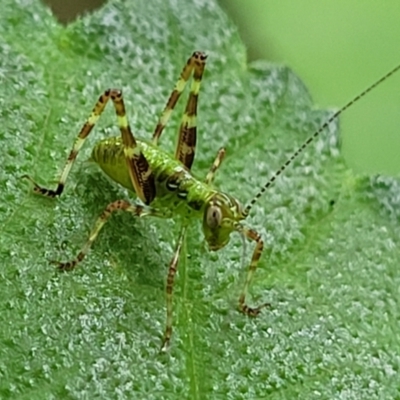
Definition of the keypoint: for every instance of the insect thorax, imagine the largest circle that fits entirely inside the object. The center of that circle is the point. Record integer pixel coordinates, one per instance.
(176, 188)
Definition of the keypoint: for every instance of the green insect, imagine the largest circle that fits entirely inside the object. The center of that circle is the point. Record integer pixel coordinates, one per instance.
(164, 184)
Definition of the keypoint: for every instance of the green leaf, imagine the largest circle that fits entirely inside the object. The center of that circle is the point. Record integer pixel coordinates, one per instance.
(331, 255)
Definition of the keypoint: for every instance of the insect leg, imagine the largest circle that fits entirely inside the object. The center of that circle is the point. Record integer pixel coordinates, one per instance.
(216, 164)
(254, 236)
(141, 175)
(174, 97)
(173, 266)
(186, 145)
(139, 170)
(119, 205)
(79, 141)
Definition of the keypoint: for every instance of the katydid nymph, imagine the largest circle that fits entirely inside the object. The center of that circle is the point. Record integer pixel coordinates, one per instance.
(164, 184)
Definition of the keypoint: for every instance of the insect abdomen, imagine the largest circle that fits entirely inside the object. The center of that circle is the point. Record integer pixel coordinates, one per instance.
(109, 155)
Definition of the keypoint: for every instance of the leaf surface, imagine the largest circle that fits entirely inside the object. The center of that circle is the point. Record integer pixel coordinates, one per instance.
(331, 256)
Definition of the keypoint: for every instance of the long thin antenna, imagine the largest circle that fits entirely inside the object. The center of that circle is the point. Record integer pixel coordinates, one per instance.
(313, 136)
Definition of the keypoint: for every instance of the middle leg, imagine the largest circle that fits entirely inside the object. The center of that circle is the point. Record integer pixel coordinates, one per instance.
(119, 205)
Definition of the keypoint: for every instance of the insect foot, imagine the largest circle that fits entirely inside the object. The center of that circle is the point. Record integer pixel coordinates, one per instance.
(251, 312)
(65, 266)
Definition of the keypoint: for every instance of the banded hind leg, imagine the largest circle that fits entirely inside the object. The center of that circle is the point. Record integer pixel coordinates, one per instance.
(186, 144)
(119, 205)
(141, 175)
(195, 64)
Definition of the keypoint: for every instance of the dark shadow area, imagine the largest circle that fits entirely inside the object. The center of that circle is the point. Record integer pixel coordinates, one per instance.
(67, 11)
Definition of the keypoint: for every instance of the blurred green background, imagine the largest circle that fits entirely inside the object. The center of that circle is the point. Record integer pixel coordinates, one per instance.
(338, 49)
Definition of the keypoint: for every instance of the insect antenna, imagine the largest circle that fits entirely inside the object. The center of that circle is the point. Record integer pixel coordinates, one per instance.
(313, 136)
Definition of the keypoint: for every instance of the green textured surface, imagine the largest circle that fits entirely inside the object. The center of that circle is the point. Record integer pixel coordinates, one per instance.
(330, 272)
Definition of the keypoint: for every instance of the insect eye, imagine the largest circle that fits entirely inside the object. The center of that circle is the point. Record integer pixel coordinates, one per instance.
(213, 217)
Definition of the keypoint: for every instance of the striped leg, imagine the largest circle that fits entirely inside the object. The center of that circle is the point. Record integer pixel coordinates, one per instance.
(119, 205)
(216, 164)
(191, 64)
(252, 235)
(186, 145)
(140, 172)
(173, 267)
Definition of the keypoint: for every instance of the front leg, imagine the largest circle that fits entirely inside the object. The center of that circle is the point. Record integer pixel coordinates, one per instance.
(254, 236)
